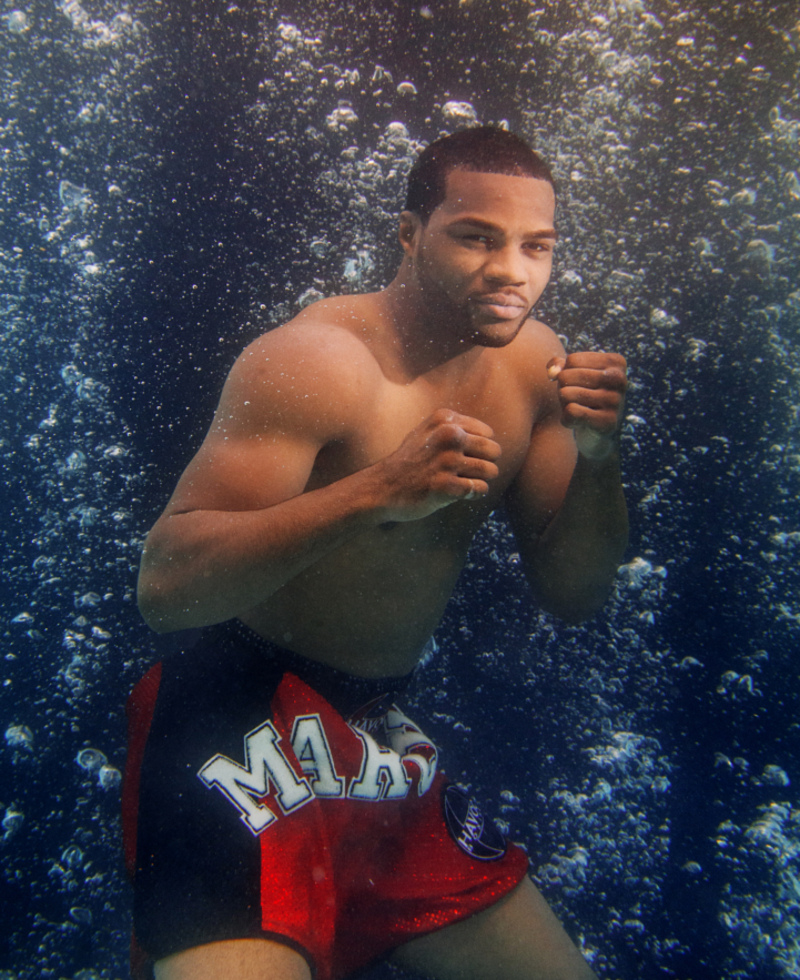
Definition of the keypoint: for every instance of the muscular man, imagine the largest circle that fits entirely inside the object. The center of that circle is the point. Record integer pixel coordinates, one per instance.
(283, 817)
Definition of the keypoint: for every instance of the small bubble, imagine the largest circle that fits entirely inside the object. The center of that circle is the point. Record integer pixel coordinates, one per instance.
(17, 22)
(75, 462)
(80, 915)
(91, 759)
(460, 113)
(341, 119)
(72, 856)
(70, 374)
(308, 297)
(19, 737)
(88, 599)
(774, 776)
(74, 197)
(12, 821)
(115, 452)
(109, 777)
(319, 247)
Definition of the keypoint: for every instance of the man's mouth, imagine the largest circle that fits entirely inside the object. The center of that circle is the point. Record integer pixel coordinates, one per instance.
(501, 306)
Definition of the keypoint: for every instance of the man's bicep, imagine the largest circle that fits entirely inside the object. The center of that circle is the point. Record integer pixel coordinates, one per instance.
(270, 423)
(235, 473)
(539, 488)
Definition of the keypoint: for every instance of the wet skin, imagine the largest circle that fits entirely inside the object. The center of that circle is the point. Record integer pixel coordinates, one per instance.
(356, 449)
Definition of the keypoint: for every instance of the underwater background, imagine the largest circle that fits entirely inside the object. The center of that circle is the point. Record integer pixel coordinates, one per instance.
(176, 178)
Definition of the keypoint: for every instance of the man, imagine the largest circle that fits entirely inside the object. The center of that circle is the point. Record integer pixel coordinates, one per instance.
(290, 818)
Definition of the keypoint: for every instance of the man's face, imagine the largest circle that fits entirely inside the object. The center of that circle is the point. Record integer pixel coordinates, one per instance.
(484, 257)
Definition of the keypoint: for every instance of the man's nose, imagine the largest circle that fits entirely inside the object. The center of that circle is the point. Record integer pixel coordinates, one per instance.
(505, 265)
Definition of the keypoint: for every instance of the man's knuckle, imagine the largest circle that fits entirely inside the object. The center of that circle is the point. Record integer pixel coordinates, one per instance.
(452, 435)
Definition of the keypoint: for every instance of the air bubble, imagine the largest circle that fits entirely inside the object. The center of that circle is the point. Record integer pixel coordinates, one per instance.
(75, 462)
(19, 738)
(570, 279)
(91, 759)
(87, 600)
(74, 197)
(791, 184)
(396, 134)
(341, 119)
(12, 821)
(17, 22)
(308, 297)
(72, 856)
(662, 320)
(639, 570)
(774, 776)
(319, 247)
(109, 777)
(759, 254)
(460, 113)
(115, 452)
(70, 374)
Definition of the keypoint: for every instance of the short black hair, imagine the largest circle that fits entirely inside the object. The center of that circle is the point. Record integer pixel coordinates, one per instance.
(487, 149)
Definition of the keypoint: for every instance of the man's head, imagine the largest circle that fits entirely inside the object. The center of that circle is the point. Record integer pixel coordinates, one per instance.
(478, 235)
(485, 149)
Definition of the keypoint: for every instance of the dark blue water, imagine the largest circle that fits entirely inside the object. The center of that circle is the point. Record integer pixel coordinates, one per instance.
(173, 179)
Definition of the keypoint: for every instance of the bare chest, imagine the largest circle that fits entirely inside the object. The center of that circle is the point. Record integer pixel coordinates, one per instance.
(389, 415)
(371, 604)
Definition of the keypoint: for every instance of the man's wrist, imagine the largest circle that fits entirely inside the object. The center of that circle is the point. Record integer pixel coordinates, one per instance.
(594, 445)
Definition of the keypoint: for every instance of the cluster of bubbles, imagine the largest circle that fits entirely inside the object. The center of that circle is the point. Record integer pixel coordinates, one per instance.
(71, 482)
(762, 922)
(681, 252)
(94, 762)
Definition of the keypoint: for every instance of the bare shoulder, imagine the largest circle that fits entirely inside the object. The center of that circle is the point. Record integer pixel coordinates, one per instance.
(313, 370)
(535, 344)
(319, 343)
(528, 355)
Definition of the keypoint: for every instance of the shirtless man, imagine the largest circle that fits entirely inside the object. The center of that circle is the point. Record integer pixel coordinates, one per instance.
(324, 521)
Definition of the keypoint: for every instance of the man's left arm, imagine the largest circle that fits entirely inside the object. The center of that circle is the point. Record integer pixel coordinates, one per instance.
(566, 505)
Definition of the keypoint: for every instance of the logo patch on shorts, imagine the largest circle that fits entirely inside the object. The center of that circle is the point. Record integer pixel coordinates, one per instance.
(473, 833)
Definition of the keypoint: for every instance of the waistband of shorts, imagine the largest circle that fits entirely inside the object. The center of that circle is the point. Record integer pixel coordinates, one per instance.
(346, 692)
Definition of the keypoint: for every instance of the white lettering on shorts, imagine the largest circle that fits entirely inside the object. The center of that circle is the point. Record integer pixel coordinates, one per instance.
(313, 752)
(264, 765)
(383, 773)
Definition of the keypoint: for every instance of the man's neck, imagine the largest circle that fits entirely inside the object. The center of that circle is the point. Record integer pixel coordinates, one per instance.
(421, 342)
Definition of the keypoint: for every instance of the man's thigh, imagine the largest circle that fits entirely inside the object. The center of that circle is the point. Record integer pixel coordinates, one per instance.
(235, 959)
(519, 938)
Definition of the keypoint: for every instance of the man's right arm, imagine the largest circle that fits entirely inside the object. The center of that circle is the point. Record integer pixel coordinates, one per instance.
(240, 524)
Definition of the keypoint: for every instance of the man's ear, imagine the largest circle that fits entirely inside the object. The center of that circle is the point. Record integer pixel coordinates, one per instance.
(408, 231)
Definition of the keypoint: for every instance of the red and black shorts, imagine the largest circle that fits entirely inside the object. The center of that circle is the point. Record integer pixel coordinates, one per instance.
(269, 796)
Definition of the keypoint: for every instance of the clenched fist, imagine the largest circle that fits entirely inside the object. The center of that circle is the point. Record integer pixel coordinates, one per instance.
(591, 389)
(446, 458)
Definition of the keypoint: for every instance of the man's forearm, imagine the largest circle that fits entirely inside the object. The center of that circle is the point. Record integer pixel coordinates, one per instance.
(573, 564)
(203, 567)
